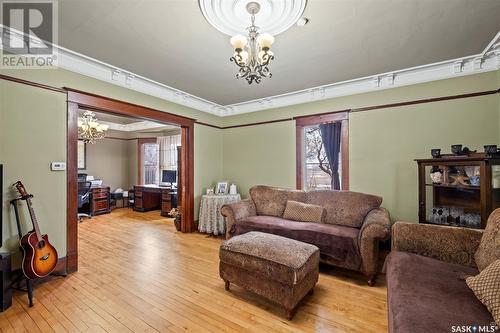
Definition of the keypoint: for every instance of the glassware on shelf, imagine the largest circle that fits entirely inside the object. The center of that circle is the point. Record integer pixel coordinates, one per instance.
(456, 214)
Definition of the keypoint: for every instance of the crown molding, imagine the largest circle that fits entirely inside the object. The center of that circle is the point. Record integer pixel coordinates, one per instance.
(488, 60)
(82, 64)
(133, 127)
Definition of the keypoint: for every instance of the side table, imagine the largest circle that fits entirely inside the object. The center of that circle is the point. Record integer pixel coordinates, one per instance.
(211, 221)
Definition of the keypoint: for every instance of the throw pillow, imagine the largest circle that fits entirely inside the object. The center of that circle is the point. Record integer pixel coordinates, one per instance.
(489, 248)
(486, 287)
(298, 211)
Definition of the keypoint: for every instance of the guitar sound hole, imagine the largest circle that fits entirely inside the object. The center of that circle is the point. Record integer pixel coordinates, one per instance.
(41, 244)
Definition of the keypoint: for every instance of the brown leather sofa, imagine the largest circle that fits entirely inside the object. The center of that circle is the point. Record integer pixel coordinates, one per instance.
(348, 236)
(426, 270)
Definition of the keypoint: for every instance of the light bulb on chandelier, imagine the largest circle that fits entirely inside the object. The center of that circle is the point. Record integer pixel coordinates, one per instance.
(252, 54)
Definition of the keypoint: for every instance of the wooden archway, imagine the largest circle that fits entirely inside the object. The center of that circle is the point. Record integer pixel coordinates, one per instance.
(79, 99)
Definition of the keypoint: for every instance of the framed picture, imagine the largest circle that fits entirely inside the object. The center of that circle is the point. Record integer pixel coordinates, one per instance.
(221, 188)
(82, 155)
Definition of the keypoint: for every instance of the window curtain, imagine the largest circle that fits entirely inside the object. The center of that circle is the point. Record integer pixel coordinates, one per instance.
(331, 136)
(168, 151)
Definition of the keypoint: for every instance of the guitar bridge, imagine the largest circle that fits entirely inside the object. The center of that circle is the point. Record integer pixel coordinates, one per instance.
(45, 257)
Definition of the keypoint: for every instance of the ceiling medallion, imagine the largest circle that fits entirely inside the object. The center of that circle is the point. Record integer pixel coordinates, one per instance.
(89, 129)
(252, 53)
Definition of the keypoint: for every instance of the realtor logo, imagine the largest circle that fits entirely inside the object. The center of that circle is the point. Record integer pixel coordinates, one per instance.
(29, 30)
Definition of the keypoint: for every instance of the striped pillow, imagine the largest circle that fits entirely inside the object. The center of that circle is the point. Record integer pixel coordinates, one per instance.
(298, 211)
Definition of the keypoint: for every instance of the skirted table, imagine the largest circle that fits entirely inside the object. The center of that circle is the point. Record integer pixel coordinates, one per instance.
(211, 221)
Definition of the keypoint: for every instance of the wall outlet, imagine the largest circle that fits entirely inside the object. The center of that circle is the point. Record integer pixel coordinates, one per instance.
(58, 166)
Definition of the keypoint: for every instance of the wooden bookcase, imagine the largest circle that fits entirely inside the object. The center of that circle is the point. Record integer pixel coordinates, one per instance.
(481, 199)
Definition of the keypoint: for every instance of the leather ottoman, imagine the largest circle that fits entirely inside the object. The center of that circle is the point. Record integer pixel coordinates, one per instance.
(280, 269)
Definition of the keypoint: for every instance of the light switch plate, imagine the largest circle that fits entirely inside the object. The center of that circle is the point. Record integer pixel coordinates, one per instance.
(58, 166)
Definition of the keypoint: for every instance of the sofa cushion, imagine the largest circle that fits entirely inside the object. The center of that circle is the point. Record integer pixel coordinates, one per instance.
(276, 258)
(428, 295)
(344, 207)
(489, 248)
(298, 211)
(337, 244)
(271, 201)
(486, 287)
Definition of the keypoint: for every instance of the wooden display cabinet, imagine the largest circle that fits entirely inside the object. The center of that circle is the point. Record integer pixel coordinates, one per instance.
(479, 199)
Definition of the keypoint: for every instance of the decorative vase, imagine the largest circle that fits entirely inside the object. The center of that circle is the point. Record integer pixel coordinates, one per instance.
(436, 175)
(232, 189)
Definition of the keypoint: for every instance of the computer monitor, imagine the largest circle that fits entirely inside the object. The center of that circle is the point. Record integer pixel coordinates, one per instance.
(169, 176)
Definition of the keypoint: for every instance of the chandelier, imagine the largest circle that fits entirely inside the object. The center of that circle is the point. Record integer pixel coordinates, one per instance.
(89, 129)
(252, 54)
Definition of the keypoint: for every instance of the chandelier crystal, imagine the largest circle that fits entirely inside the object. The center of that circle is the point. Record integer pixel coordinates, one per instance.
(252, 54)
(89, 129)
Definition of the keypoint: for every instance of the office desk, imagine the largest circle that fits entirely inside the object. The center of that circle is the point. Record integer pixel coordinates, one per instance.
(149, 197)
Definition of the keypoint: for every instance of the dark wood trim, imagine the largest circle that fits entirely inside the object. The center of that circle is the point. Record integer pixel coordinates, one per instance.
(140, 142)
(299, 138)
(187, 169)
(427, 100)
(259, 123)
(72, 190)
(209, 125)
(110, 105)
(78, 99)
(323, 118)
(31, 83)
(126, 139)
(345, 154)
(367, 108)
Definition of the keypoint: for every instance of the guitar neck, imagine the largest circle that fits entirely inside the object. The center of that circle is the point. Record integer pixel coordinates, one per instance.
(33, 219)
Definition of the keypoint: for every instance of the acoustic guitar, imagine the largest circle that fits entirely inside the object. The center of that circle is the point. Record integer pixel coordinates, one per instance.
(39, 256)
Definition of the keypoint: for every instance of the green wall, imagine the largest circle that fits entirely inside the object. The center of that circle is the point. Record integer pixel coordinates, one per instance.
(263, 154)
(383, 143)
(32, 135)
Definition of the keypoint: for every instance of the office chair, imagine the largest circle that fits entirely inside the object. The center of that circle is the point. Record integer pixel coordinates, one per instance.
(82, 177)
(83, 198)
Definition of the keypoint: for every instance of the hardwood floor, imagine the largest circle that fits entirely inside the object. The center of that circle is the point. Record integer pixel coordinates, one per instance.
(137, 274)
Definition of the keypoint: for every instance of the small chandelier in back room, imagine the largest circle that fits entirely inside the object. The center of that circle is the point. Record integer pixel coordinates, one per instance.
(252, 54)
(89, 129)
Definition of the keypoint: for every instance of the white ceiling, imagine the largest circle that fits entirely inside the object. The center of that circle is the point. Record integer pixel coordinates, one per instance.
(171, 42)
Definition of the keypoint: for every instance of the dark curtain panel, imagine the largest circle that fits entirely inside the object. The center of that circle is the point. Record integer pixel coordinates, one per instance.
(331, 135)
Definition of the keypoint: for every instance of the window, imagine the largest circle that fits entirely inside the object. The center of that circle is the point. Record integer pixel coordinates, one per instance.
(150, 163)
(322, 166)
(156, 155)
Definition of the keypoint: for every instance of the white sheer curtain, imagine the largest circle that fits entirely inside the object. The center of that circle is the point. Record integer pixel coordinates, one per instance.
(168, 151)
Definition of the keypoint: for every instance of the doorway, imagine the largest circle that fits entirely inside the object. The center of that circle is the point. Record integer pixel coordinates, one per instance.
(82, 100)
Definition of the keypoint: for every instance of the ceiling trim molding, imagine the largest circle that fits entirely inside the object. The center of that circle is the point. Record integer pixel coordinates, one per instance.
(133, 127)
(82, 64)
(488, 60)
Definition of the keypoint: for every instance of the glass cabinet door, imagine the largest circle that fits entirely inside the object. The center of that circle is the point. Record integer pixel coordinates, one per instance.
(453, 195)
